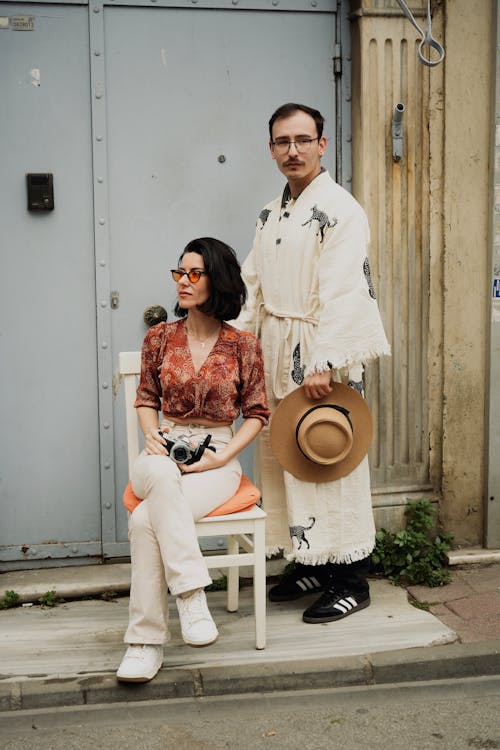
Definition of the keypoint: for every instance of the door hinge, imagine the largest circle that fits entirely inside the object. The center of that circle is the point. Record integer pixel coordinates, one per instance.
(337, 62)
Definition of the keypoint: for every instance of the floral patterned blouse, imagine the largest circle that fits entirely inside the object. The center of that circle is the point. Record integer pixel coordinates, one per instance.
(229, 381)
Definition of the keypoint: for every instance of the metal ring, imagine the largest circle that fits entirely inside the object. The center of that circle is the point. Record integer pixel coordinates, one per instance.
(427, 38)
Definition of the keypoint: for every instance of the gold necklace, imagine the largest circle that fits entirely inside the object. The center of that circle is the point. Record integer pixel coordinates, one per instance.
(202, 342)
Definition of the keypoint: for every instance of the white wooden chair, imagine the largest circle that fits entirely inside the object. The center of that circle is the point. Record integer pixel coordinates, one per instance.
(244, 529)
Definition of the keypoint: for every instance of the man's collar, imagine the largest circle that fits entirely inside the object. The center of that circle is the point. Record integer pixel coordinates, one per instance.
(287, 193)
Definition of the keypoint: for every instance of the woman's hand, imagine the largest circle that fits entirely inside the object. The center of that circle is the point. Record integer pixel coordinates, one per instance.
(154, 444)
(247, 431)
(148, 420)
(209, 460)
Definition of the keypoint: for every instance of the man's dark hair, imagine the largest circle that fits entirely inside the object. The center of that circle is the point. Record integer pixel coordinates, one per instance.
(228, 293)
(286, 110)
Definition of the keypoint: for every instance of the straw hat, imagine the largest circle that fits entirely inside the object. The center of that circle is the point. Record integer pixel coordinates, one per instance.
(318, 441)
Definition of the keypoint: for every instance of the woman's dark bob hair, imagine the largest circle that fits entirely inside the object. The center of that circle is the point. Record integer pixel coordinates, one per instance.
(228, 293)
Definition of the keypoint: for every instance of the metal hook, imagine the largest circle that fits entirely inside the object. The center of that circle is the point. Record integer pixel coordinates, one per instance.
(427, 38)
(397, 131)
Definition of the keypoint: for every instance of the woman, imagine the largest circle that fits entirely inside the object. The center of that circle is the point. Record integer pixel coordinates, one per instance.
(201, 372)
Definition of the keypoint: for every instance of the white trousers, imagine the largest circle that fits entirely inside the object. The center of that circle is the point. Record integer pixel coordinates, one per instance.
(164, 546)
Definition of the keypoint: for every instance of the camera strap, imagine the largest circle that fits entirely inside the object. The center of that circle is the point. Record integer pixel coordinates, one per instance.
(205, 444)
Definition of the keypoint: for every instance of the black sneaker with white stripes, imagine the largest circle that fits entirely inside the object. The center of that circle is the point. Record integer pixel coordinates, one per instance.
(333, 605)
(302, 580)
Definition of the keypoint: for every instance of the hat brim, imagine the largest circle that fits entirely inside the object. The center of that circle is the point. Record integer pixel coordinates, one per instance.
(284, 444)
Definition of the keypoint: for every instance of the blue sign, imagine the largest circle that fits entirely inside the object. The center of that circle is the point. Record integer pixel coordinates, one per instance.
(496, 288)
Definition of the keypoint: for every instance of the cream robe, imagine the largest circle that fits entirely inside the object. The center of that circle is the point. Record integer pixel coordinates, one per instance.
(312, 304)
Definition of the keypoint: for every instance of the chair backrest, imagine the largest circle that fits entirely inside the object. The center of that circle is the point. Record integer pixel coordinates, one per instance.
(129, 365)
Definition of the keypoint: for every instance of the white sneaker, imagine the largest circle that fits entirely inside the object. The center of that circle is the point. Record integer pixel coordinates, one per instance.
(197, 626)
(140, 663)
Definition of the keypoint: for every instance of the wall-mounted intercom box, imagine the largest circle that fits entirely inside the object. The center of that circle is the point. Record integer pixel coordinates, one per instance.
(40, 188)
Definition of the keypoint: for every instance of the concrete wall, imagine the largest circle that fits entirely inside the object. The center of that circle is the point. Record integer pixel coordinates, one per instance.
(455, 102)
(467, 119)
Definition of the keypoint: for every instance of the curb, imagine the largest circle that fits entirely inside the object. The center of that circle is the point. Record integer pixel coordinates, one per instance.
(410, 665)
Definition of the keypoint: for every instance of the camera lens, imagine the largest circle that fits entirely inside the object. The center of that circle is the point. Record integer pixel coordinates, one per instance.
(179, 454)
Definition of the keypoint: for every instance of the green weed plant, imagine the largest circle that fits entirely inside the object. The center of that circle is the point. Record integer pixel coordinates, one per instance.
(414, 555)
(9, 600)
(49, 600)
(219, 584)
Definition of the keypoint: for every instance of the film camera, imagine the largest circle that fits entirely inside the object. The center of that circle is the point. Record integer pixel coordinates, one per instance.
(181, 451)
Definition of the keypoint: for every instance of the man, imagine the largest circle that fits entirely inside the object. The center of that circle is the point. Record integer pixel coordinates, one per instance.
(312, 303)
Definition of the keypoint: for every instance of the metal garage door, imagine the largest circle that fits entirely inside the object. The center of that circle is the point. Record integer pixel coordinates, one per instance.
(153, 119)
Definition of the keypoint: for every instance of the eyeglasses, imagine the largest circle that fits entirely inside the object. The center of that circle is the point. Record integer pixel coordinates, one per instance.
(281, 146)
(194, 275)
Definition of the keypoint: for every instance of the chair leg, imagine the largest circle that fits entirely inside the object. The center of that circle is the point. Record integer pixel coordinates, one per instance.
(259, 584)
(233, 581)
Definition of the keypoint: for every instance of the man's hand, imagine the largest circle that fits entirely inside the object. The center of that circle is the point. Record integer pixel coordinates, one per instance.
(318, 385)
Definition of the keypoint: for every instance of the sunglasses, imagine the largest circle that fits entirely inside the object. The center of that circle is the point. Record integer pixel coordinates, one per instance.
(194, 275)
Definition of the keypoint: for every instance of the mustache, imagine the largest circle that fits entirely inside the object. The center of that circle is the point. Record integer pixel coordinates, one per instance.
(289, 162)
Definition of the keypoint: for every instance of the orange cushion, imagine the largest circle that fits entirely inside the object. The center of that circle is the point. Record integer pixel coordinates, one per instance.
(246, 496)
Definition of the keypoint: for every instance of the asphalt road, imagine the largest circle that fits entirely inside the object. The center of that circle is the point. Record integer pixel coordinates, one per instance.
(456, 715)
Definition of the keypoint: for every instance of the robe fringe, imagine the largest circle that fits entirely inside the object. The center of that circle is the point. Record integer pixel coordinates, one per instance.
(307, 558)
(273, 551)
(340, 362)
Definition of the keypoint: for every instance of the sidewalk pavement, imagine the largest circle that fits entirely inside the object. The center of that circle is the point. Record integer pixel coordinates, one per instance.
(68, 655)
